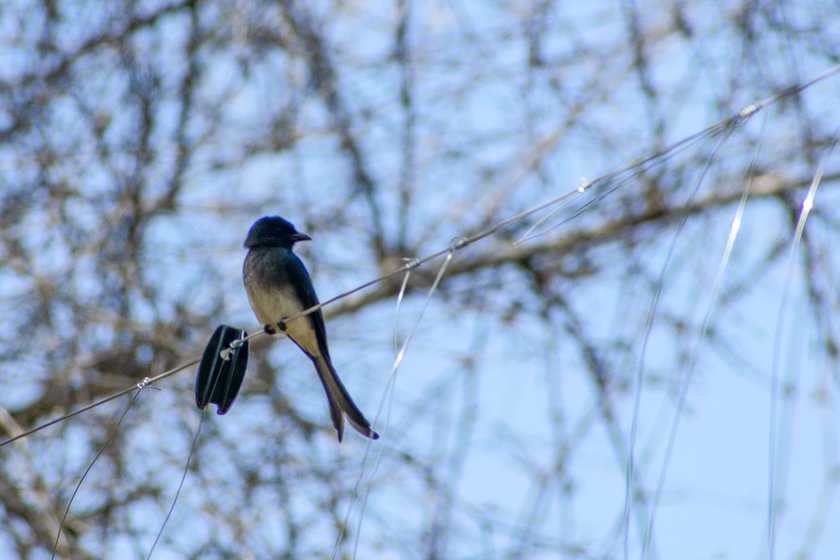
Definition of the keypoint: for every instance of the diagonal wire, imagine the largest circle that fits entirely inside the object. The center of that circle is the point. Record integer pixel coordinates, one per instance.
(725, 124)
(387, 396)
(730, 243)
(180, 484)
(144, 382)
(807, 205)
(140, 387)
(640, 370)
(584, 186)
(400, 297)
(392, 382)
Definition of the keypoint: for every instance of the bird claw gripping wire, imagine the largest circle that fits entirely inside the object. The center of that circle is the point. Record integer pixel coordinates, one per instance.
(222, 368)
(271, 331)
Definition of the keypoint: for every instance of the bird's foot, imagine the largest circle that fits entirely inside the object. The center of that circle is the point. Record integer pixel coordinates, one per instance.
(269, 329)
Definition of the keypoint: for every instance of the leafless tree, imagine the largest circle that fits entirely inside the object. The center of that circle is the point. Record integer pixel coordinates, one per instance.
(139, 140)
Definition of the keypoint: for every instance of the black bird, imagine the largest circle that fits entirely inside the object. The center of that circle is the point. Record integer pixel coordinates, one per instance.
(279, 287)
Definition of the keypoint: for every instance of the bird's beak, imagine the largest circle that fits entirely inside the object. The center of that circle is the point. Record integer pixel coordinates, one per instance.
(301, 237)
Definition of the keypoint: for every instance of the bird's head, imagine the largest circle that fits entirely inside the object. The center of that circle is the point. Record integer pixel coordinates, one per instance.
(273, 231)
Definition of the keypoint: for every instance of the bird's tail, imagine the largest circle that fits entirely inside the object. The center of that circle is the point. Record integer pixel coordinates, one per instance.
(341, 404)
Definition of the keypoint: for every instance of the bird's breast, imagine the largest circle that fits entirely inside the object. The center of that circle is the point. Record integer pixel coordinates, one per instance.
(270, 305)
(273, 298)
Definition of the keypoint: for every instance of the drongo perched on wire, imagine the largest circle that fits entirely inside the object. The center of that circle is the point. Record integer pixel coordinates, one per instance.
(279, 287)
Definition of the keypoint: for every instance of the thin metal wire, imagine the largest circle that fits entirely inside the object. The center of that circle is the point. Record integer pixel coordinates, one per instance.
(140, 387)
(648, 533)
(144, 382)
(388, 395)
(733, 233)
(180, 484)
(400, 296)
(807, 205)
(723, 125)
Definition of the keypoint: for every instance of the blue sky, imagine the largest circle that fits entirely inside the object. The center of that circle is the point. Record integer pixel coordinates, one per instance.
(520, 382)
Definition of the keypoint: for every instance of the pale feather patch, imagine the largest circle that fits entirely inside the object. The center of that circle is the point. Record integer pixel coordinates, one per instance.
(271, 305)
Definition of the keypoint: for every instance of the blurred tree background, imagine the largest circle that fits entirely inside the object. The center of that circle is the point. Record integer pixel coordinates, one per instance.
(140, 139)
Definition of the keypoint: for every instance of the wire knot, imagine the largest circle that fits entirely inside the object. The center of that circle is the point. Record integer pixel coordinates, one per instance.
(748, 111)
(144, 383)
(410, 262)
(458, 243)
(233, 346)
(584, 184)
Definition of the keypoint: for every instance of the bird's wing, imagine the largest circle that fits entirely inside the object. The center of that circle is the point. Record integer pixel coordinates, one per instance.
(298, 277)
(337, 395)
